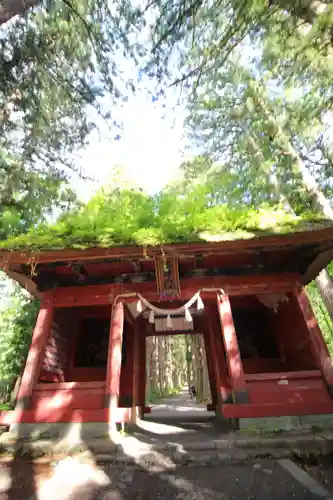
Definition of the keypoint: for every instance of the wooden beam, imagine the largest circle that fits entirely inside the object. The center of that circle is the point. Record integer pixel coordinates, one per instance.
(26, 282)
(35, 355)
(233, 286)
(235, 366)
(316, 266)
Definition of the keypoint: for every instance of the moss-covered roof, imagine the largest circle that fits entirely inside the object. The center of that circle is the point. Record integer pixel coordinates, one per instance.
(104, 228)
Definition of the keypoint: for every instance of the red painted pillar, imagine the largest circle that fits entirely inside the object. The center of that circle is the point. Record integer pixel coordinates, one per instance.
(223, 382)
(142, 371)
(233, 356)
(126, 375)
(112, 385)
(319, 347)
(136, 367)
(35, 355)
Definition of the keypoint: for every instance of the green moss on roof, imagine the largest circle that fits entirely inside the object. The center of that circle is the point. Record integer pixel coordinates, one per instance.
(133, 218)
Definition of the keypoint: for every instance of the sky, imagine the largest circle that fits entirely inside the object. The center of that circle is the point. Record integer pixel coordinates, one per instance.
(150, 145)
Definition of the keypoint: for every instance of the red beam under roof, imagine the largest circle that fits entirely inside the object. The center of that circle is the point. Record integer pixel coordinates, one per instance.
(315, 248)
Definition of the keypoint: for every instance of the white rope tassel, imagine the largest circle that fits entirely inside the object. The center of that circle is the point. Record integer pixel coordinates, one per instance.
(200, 304)
(188, 316)
(168, 321)
(151, 317)
(139, 306)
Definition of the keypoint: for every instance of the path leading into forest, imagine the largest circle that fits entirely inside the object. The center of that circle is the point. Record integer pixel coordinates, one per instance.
(178, 406)
(180, 419)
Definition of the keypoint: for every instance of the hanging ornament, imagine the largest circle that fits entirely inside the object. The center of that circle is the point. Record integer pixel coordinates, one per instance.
(200, 304)
(139, 306)
(168, 321)
(188, 316)
(151, 317)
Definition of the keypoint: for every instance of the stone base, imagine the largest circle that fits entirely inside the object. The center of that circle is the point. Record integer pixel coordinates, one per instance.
(68, 430)
(276, 424)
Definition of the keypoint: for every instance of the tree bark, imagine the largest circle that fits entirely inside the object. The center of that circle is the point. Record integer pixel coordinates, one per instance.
(323, 282)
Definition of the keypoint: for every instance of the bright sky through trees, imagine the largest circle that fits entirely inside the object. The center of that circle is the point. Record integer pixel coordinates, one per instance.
(150, 144)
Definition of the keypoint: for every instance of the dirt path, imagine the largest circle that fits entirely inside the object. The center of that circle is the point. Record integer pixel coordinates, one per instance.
(73, 481)
(179, 419)
(178, 406)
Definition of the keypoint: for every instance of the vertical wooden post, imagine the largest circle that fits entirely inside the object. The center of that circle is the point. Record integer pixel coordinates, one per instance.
(319, 347)
(35, 355)
(202, 324)
(218, 353)
(112, 384)
(230, 341)
(142, 372)
(136, 373)
(211, 370)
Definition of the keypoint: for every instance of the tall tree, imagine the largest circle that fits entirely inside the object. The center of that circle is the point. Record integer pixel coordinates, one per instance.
(60, 67)
(236, 112)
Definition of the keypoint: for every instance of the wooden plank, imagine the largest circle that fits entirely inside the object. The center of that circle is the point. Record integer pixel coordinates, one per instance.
(87, 398)
(284, 375)
(63, 415)
(276, 409)
(69, 386)
(288, 391)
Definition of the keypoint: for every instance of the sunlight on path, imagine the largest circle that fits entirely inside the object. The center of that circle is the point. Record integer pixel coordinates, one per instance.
(172, 406)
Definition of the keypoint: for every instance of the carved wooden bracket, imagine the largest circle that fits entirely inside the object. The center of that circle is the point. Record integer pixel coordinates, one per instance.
(167, 275)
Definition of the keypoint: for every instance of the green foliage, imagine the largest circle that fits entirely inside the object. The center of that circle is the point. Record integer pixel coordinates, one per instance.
(322, 315)
(153, 396)
(57, 63)
(16, 326)
(119, 217)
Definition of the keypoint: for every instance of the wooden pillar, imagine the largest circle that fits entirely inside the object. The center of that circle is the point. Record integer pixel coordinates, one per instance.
(142, 371)
(202, 324)
(210, 368)
(319, 347)
(112, 385)
(35, 355)
(214, 330)
(127, 366)
(136, 368)
(233, 356)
